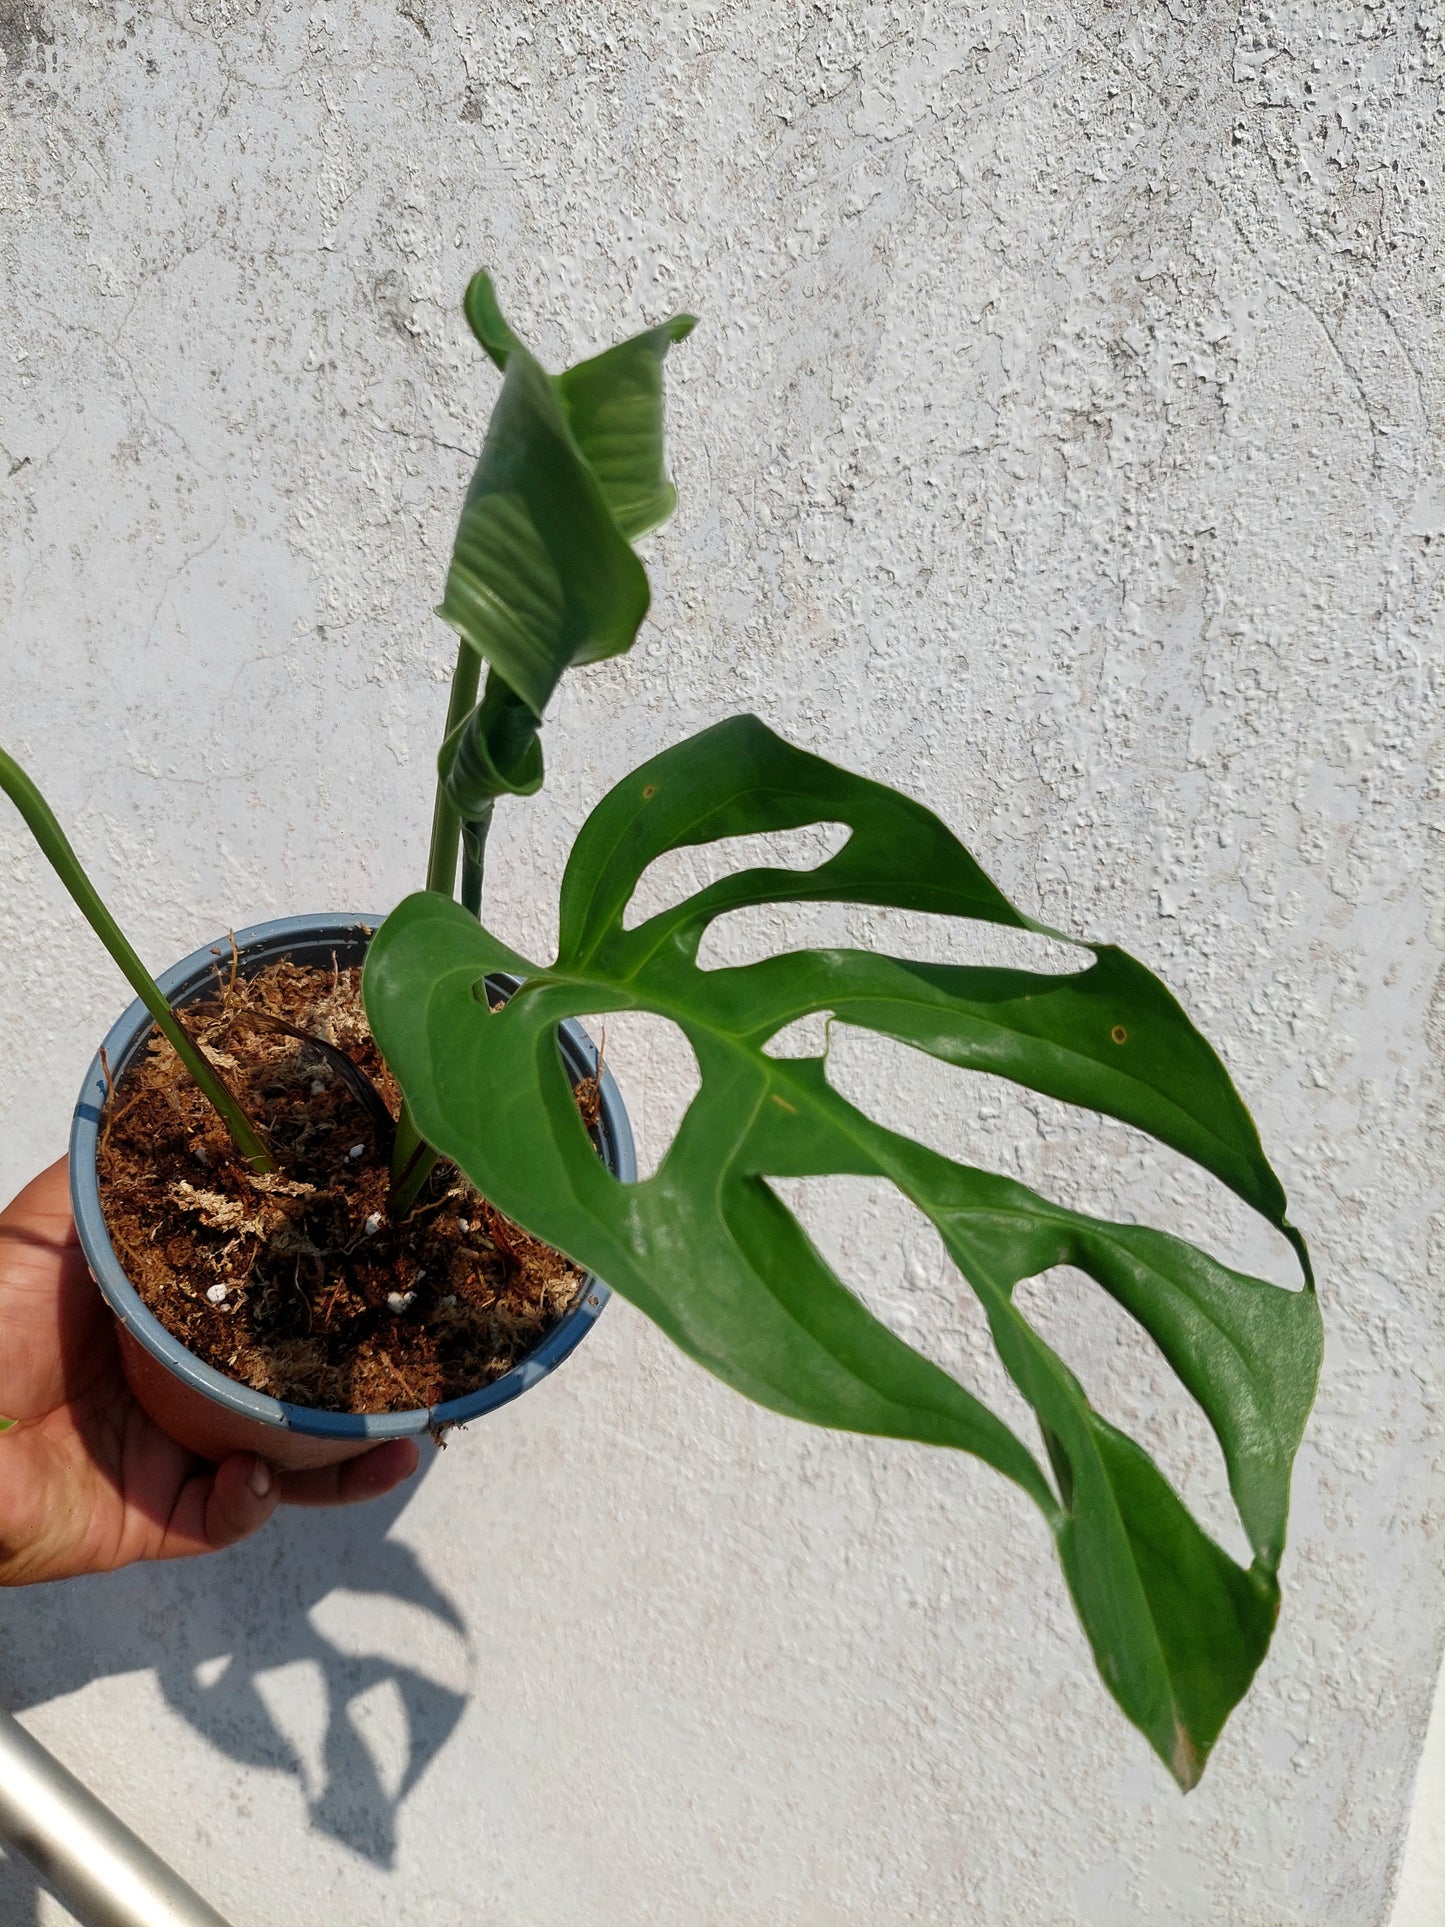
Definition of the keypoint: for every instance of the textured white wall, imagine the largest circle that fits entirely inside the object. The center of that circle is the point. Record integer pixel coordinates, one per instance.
(1056, 442)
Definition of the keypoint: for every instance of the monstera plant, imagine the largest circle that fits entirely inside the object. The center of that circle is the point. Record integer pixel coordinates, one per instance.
(543, 576)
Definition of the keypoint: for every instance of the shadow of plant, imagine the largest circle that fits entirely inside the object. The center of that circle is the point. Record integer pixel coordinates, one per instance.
(210, 1630)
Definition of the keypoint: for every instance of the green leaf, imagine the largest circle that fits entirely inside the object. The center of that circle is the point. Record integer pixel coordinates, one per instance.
(494, 751)
(542, 571)
(543, 575)
(613, 405)
(614, 409)
(709, 1251)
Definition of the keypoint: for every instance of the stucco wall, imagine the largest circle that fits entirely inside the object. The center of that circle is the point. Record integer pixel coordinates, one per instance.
(1057, 443)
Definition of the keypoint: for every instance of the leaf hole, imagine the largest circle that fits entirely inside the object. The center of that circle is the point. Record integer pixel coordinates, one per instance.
(657, 1071)
(890, 1255)
(1070, 1154)
(1129, 1382)
(768, 929)
(676, 875)
(805, 1037)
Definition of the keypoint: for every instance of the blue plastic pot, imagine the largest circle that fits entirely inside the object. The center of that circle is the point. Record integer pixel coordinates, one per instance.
(205, 1410)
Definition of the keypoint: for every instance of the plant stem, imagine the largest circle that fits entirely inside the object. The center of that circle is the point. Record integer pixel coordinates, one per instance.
(446, 825)
(412, 1159)
(474, 856)
(510, 727)
(48, 834)
(407, 1181)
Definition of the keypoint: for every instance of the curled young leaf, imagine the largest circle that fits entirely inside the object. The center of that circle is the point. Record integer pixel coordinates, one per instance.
(709, 1251)
(494, 751)
(543, 574)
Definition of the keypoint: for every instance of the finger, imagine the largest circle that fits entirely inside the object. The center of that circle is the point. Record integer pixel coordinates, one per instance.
(376, 1472)
(42, 1209)
(244, 1494)
(56, 1342)
(218, 1509)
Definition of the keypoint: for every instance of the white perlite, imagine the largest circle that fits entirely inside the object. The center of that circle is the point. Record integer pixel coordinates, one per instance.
(1060, 440)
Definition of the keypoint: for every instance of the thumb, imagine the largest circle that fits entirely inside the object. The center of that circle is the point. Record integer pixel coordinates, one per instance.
(244, 1493)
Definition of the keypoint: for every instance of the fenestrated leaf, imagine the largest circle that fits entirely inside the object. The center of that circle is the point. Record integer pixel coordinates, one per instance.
(706, 1248)
(542, 574)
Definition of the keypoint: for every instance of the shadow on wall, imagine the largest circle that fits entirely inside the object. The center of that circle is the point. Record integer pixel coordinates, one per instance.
(209, 1628)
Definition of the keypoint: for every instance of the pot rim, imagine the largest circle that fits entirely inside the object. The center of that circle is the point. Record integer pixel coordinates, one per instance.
(182, 982)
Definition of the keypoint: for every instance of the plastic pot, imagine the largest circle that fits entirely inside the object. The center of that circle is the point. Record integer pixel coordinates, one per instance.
(214, 1415)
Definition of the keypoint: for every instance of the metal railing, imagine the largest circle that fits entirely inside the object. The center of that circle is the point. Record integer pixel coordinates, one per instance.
(90, 1860)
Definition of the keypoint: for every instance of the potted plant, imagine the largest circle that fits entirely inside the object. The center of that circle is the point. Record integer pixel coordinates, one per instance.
(478, 1069)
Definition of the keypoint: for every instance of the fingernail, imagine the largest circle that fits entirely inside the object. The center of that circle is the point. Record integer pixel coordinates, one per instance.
(260, 1479)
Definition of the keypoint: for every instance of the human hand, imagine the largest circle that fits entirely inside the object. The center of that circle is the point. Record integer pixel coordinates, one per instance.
(88, 1481)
